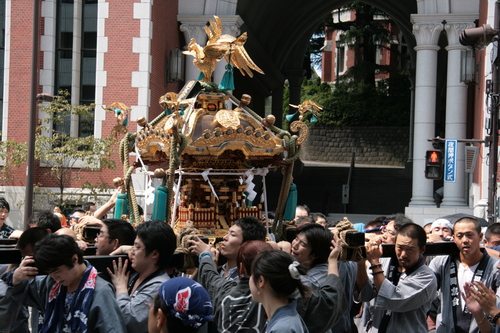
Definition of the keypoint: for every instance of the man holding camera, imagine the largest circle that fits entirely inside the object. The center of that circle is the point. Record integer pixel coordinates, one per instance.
(403, 286)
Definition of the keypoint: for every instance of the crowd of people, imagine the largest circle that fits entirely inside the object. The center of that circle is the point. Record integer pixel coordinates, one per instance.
(248, 283)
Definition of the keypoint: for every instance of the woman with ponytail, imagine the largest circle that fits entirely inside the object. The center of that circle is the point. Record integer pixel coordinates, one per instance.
(275, 278)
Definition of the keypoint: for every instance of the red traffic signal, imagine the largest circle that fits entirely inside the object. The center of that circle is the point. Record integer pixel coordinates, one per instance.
(434, 164)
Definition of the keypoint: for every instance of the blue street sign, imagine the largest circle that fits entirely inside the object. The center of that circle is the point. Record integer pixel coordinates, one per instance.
(450, 161)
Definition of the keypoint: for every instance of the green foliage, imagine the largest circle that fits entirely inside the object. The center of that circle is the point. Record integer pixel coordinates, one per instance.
(62, 156)
(356, 104)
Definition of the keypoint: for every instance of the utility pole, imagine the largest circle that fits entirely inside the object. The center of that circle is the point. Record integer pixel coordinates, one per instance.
(30, 166)
(493, 139)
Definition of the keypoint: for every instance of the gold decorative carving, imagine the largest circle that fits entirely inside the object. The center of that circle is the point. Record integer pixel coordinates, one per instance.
(227, 119)
(221, 46)
(257, 138)
(298, 126)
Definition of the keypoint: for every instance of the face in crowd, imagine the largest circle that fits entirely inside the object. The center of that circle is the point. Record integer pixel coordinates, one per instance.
(442, 231)
(301, 250)
(231, 242)
(467, 238)
(389, 233)
(75, 218)
(407, 251)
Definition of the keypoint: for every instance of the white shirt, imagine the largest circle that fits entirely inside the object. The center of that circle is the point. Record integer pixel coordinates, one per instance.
(464, 275)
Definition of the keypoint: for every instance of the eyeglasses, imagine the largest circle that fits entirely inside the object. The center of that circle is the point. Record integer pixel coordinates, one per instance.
(75, 217)
(390, 232)
(100, 235)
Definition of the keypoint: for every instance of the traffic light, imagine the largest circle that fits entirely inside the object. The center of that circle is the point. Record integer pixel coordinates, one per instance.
(478, 37)
(434, 164)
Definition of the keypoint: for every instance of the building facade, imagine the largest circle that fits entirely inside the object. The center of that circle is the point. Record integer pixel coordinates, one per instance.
(101, 52)
(106, 51)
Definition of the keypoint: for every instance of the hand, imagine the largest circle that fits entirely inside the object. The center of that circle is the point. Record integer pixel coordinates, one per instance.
(285, 246)
(82, 245)
(112, 200)
(215, 254)
(484, 296)
(198, 246)
(373, 252)
(24, 271)
(335, 248)
(123, 249)
(333, 267)
(119, 277)
(470, 298)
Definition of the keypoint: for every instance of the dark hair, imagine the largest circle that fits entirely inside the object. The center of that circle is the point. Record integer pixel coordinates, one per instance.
(86, 206)
(174, 324)
(304, 207)
(30, 237)
(376, 222)
(316, 216)
(4, 204)
(399, 219)
(247, 253)
(273, 265)
(159, 236)
(121, 230)
(301, 220)
(251, 228)
(331, 224)
(414, 231)
(79, 210)
(319, 239)
(477, 224)
(56, 250)
(493, 229)
(48, 220)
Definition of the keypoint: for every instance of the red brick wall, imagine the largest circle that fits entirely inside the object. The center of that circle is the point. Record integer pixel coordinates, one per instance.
(20, 75)
(119, 63)
(166, 37)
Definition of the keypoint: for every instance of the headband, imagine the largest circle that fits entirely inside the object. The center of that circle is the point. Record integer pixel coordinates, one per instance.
(441, 223)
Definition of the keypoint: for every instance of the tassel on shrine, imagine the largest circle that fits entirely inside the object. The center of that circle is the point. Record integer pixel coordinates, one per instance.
(289, 117)
(291, 203)
(160, 203)
(201, 76)
(227, 82)
(313, 119)
(121, 207)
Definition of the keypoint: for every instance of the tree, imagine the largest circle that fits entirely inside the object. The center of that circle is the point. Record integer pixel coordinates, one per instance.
(353, 103)
(63, 157)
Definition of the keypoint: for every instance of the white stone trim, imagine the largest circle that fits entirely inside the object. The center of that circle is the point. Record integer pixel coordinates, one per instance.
(101, 76)
(48, 47)
(6, 74)
(141, 45)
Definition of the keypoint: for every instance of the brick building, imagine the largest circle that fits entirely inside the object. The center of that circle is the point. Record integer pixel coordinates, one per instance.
(338, 57)
(101, 52)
